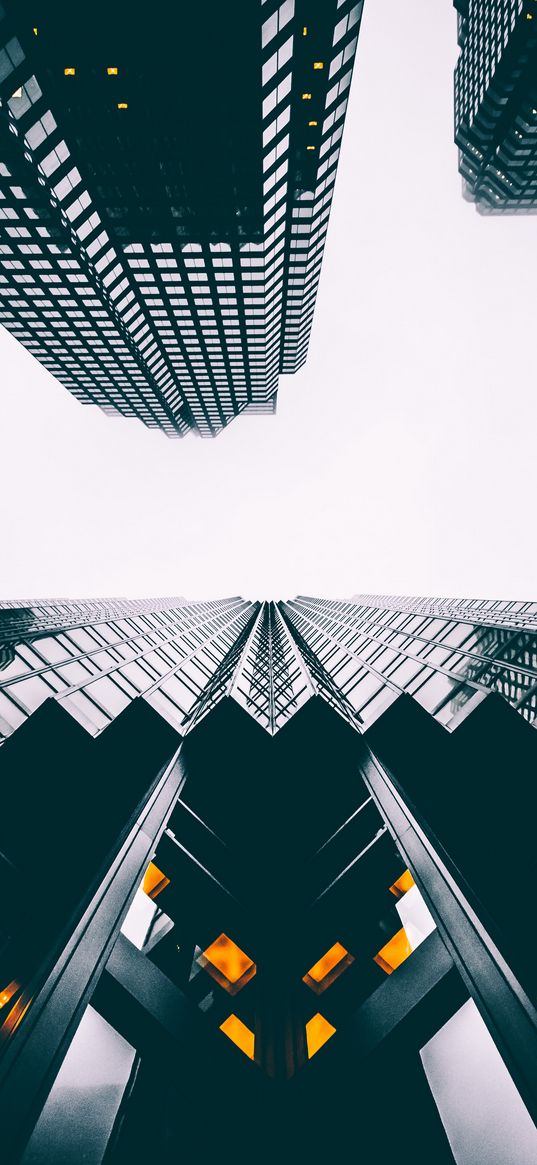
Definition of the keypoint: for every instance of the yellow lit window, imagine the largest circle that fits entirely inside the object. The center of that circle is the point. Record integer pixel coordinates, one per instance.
(304, 31)
(318, 1031)
(404, 883)
(112, 71)
(34, 30)
(228, 964)
(236, 1030)
(122, 105)
(394, 952)
(70, 72)
(18, 1009)
(154, 881)
(312, 123)
(306, 96)
(329, 968)
(310, 147)
(318, 64)
(9, 992)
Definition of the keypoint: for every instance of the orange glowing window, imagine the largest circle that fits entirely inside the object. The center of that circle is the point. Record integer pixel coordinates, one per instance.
(310, 147)
(318, 1031)
(404, 883)
(154, 881)
(112, 71)
(70, 72)
(228, 964)
(313, 123)
(16, 1012)
(394, 952)
(329, 968)
(306, 96)
(318, 64)
(9, 992)
(236, 1030)
(122, 105)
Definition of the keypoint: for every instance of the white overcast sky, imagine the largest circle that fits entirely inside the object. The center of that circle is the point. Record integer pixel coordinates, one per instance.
(401, 459)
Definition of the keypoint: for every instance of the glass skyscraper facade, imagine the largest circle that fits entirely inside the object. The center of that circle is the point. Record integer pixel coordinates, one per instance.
(95, 657)
(164, 210)
(267, 868)
(496, 103)
(264, 860)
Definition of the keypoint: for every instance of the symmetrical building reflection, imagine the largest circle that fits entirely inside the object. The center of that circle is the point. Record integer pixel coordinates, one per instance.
(95, 657)
(267, 860)
(164, 212)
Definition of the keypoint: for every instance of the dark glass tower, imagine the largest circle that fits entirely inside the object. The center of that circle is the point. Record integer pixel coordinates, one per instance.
(267, 880)
(165, 187)
(496, 103)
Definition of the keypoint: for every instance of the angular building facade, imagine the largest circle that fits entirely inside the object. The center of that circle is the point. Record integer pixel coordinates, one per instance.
(267, 879)
(165, 191)
(496, 104)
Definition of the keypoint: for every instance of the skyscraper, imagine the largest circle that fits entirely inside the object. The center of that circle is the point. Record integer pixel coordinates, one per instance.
(165, 191)
(496, 103)
(267, 879)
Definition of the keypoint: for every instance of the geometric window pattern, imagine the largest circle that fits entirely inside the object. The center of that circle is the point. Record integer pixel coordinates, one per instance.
(181, 332)
(95, 657)
(496, 103)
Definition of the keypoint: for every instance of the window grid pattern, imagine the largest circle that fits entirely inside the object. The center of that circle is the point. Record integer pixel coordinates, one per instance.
(272, 681)
(324, 112)
(165, 651)
(496, 612)
(496, 103)
(88, 344)
(181, 336)
(30, 618)
(95, 657)
(371, 649)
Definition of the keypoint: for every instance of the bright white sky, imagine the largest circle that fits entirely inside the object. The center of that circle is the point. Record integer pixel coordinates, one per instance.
(401, 458)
